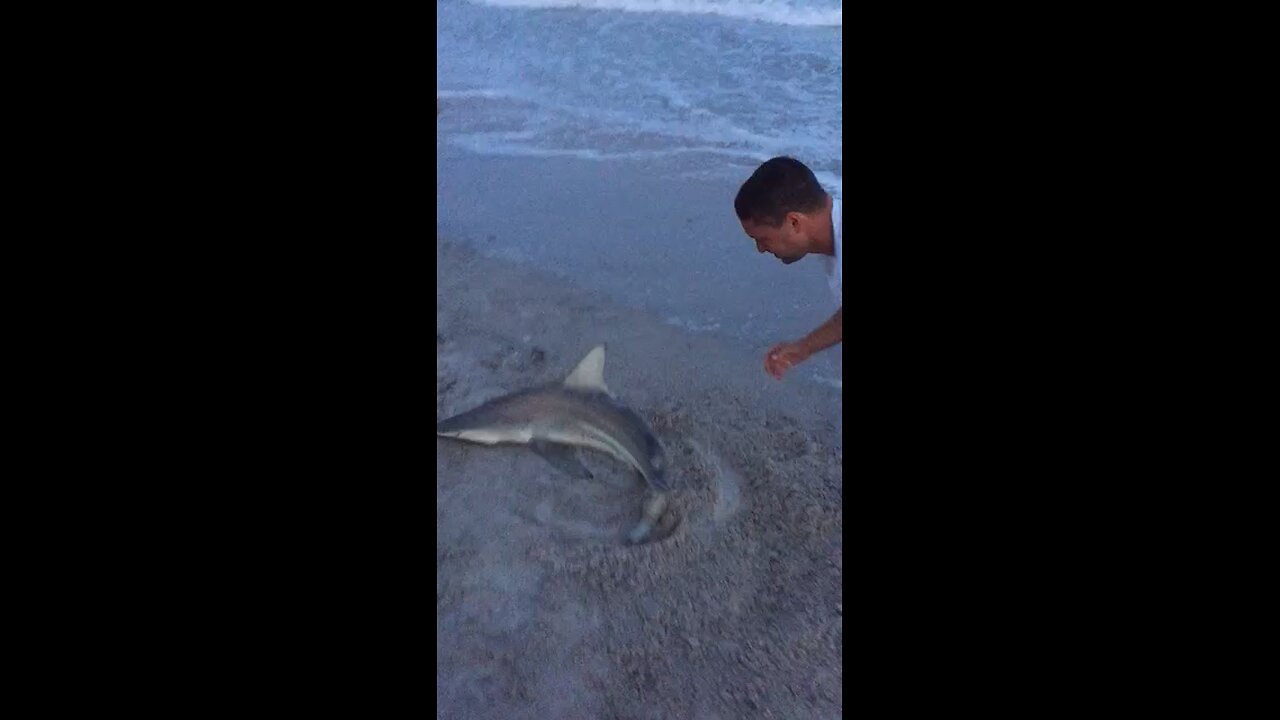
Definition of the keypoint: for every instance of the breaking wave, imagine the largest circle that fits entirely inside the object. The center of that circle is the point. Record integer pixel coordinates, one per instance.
(782, 12)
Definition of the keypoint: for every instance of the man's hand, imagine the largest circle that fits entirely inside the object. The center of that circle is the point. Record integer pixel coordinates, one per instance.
(783, 356)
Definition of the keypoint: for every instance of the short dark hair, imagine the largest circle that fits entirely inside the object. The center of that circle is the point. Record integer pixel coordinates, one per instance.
(779, 186)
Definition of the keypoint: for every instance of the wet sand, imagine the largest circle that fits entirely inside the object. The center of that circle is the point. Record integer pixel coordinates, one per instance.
(541, 610)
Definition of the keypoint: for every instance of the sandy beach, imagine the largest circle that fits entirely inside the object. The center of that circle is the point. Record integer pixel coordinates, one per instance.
(541, 610)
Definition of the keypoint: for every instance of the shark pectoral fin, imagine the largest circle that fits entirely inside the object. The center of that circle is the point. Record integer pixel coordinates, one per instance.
(563, 457)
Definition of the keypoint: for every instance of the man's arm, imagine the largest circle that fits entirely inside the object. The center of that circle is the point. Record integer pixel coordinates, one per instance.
(784, 356)
(825, 335)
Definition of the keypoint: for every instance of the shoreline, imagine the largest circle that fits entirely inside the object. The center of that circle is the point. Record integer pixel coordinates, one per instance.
(640, 234)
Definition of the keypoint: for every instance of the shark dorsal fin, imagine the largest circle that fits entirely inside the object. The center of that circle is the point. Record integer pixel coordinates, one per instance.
(589, 375)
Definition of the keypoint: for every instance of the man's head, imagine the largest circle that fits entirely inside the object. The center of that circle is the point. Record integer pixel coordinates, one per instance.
(781, 207)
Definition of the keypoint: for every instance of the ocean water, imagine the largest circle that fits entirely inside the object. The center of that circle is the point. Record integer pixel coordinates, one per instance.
(705, 89)
(715, 85)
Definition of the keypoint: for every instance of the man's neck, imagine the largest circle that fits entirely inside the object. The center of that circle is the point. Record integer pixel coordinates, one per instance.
(825, 242)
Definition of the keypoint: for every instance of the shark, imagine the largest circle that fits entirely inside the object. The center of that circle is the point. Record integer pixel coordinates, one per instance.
(558, 419)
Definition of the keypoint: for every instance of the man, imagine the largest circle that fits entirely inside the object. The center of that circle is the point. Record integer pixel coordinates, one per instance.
(784, 209)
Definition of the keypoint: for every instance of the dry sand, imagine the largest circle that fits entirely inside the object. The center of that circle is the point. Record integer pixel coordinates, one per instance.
(541, 611)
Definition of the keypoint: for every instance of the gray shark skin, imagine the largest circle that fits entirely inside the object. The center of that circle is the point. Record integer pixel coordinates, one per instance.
(579, 412)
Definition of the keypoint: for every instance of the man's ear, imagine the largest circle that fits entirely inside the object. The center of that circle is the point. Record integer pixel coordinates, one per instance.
(794, 220)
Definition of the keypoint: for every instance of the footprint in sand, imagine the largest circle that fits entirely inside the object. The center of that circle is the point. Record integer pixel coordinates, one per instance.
(787, 439)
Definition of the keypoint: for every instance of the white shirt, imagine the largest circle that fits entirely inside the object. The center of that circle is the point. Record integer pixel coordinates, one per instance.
(832, 264)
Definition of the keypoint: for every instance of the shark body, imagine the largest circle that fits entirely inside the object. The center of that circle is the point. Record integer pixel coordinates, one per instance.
(556, 419)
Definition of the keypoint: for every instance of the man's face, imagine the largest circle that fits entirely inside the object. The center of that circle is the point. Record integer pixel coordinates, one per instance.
(787, 242)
